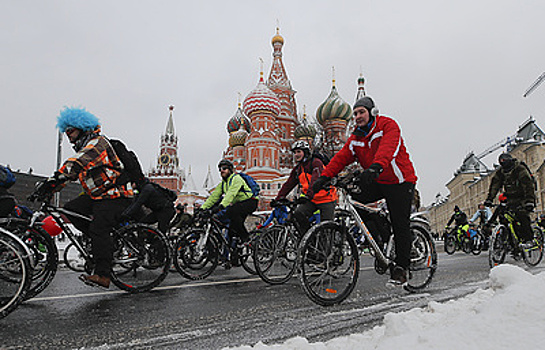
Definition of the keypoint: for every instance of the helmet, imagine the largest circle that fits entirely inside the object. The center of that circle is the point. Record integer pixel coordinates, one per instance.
(302, 145)
(78, 118)
(507, 162)
(367, 103)
(227, 163)
(51, 226)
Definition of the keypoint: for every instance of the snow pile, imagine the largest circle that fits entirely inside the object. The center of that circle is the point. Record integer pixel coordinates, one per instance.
(508, 315)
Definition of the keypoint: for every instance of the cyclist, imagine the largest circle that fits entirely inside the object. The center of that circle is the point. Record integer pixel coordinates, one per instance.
(376, 143)
(460, 219)
(7, 199)
(304, 174)
(238, 202)
(482, 214)
(97, 167)
(182, 218)
(518, 185)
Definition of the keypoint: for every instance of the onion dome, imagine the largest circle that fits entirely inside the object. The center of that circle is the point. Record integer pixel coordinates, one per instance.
(239, 121)
(277, 38)
(333, 108)
(305, 130)
(238, 138)
(261, 99)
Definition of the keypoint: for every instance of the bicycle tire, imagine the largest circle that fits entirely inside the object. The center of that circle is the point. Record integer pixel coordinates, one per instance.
(141, 258)
(450, 245)
(73, 259)
(190, 263)
(466, 245)
(477, 244)
(533, 256)
(15, 272)
(246, 256)
(423, 259)
(328, 262)
(275, 255)
(497, 249)
(45, 256)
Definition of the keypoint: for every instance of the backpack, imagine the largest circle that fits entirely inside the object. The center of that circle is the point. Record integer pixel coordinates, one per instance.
(7, 179)
(531, 174)
(321, 156)
(167, 192)
(132, 171)
(250, 181)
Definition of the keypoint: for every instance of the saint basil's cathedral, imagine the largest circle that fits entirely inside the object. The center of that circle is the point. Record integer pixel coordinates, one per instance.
(261, 133)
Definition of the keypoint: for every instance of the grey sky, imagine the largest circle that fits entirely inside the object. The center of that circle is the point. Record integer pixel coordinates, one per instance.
(452, 73)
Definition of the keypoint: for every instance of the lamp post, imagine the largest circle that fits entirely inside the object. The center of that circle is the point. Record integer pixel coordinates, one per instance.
(57, 198)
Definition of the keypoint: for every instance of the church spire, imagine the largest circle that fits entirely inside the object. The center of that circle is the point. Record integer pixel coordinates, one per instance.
(170, 123)
(361, 88)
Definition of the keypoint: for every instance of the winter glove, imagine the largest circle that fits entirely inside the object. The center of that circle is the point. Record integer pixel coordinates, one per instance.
(275, 203)
(529, 206)
(217, 209)
(320, 183)
(488, 203)
(370, 174)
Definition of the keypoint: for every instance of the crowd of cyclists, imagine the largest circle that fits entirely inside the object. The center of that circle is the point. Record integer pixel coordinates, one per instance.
(386, 172)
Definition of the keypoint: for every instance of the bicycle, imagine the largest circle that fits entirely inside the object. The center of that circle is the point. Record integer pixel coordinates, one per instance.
(328, 257)
(470, 241)
(15, 271)
(141, 253)
(275, 249)
(505, 239)
(198, 251)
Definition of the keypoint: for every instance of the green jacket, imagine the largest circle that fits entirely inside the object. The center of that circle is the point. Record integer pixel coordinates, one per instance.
(518, 185)
(234, 189)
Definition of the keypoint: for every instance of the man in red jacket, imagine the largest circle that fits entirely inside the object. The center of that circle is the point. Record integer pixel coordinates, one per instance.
(377, 145)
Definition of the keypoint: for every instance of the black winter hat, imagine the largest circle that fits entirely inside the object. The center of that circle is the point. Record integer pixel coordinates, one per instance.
(365, 102)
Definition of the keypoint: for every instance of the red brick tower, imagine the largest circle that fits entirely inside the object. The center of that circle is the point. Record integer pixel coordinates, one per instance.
(167, 171)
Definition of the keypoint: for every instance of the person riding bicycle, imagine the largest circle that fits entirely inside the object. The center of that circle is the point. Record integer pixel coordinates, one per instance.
(182, 219)
(518, 185)
(238, 202)
(97, 167)
(462, 225)
(377, 144)
(305, 173)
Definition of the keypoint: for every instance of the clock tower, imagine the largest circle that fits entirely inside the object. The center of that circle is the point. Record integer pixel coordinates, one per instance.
(167, 171)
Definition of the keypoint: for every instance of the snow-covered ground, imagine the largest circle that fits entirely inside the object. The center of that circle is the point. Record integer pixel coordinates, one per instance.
(509, 314)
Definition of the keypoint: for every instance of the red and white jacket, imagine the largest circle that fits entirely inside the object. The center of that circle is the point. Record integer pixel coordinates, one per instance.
(383, 145)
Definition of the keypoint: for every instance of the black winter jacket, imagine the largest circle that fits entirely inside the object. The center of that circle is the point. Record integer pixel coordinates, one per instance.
(518, 185)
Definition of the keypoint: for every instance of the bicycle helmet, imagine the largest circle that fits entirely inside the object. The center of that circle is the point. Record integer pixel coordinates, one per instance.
(302, 145)
(227, 163)
(507, 162)
(79, 118)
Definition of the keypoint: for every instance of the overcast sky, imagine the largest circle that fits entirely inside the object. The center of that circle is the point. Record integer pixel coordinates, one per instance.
(452, 74)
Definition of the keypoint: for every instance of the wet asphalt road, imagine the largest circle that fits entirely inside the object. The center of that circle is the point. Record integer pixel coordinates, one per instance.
(230, 308)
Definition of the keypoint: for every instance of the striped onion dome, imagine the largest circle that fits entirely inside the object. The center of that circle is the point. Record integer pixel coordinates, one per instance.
(261, 99)
(238, 138)
(333, 108)
(304, 131)
(238, 121)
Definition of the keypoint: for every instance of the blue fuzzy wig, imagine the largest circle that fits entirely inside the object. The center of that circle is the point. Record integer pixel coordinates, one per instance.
(77, 118)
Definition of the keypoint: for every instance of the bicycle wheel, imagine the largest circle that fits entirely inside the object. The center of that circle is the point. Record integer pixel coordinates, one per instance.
(196, 260)
(450, 244)
(329, 263)
(533, 256)
(246, 255)
(275, 254)
(73, 259)
(15, 272)
(45, 256)
(423, 259)
(477, 244)
(497, 246)
(466, 245)
(141, 258)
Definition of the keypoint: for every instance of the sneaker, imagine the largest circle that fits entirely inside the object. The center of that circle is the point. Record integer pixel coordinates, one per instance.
(95, 281)
(398, 276)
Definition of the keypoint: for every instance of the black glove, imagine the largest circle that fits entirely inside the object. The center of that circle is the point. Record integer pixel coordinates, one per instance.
(320, 183)
(302, 200)
(488, 203)
(370, 174)
(529, 206)
(275, 203)
(216, 209)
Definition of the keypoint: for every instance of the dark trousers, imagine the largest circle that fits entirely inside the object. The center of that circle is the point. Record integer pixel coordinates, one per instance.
(304, 211)
(237, 214)
(162, 217)
(524, 231)
(7, 204)
(105, 213)
(398, 199)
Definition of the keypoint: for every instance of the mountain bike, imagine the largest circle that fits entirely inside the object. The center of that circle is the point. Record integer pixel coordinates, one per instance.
(15, 271)
(328, 256)
(505, 239)
(199, 250)
(470, 241)
(141, 253)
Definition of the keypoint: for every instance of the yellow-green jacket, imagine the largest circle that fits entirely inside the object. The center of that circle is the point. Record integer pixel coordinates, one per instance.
(234, 189)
